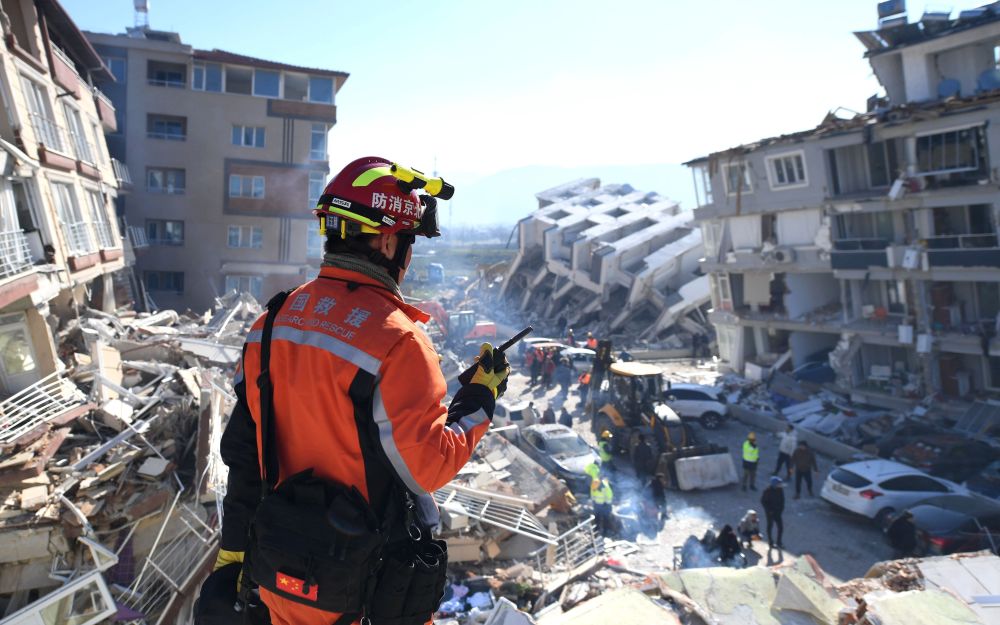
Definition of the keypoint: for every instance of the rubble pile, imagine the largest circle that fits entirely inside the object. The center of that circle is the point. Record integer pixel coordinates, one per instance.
(108, 472)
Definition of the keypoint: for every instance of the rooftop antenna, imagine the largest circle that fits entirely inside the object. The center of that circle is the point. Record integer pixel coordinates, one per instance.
(141, 13)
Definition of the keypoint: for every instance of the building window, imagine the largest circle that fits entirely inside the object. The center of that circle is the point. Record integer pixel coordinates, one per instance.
(165, 180)
(166, 127)
(248, 136)
(737, 178)
(99, 217)
(239, 80)
(40, 111)
(165, 232)
(266, 83)
(75, 229)
(317, 182)
(952, 151)
(314, 241)
(883, 166)
(77, 135)
(253, 285)
(787, 170)
(317, 142)
(117, 66)
(206, 77)
(98, 145)
(296, 87)
(246, 186)
(994, 371)
(170, 281)
(246, 236)
(17, 356)
(321, 90)
(163, 74)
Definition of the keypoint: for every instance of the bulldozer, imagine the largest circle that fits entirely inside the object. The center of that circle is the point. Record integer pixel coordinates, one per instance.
(629, 404)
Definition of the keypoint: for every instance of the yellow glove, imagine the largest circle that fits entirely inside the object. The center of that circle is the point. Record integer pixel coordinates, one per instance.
(492, 369)
(227, 557)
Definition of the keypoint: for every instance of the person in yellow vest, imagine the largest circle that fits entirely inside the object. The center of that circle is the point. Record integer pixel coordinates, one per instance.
(605, 449)
(601, 496)
(593, 470)
(751, 455)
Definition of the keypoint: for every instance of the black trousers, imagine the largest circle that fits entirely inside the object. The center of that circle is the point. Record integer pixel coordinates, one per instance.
(772, 520)
(783, 459)
(803, 475)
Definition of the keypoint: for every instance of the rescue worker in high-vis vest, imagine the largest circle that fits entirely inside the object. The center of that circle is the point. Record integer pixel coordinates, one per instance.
(336, 336)
(601, 497)
(751, 456)
(605, 448)
(591, 341)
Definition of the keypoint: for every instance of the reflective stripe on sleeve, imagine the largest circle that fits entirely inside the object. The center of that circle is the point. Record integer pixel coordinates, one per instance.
(466, 423)
(389, 444)
(323, 341)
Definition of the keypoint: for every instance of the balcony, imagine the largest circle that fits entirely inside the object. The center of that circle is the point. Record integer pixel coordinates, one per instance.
(15, 255)
(82, 253)
(963, 250)
(861, 253)
(64, 72)
(122, 175)
(106, 111)
(302, 110)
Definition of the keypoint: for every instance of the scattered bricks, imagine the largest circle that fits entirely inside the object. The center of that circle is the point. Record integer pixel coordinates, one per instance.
(34, 497)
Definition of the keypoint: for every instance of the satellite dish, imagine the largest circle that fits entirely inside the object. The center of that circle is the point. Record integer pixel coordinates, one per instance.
(988, 80)
(949, 88)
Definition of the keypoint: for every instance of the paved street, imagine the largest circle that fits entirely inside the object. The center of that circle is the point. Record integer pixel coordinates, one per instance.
(844, 545)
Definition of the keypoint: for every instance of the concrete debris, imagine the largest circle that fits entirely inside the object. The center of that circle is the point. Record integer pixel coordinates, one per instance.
(104, 457)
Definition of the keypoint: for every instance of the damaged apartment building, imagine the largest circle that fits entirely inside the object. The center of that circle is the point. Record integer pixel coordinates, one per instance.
(870, 242)
(59, 242)
(610, 259)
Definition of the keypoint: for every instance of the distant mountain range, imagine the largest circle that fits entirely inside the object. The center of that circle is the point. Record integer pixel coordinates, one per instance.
(509, 195)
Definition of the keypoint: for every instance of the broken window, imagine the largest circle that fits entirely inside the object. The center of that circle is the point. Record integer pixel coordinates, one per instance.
(787, 170)
(737, 177)
(768, 228)
(952, 151)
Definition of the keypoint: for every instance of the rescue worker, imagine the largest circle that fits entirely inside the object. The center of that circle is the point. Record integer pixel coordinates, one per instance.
(751, 455)
(773, 502)
(584, 387)
(593, 469)
(605, 448)
(570, 339)
(601, 496)
(565, 418)
(351, 371)
(591, 341)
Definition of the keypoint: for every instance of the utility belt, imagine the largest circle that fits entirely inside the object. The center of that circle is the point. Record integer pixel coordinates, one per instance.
(323, 545)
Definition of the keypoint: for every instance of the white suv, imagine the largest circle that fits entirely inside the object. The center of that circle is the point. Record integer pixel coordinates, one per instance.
(695, 402)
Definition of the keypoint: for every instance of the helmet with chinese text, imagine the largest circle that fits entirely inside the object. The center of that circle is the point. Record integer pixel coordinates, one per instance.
(365, 198)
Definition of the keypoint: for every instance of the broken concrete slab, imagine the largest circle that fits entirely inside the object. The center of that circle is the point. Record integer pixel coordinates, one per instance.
(34, 497)
(702, 472)
(153, 467)
(920, 607)
(626, 605)
(801, 589)
(732, 596)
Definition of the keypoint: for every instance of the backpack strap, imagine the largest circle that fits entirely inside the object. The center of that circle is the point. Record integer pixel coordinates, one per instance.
(268, 450)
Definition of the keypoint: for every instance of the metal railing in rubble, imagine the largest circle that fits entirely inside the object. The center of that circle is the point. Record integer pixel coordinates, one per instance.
(15, 255)
(172, 563)
(50, 397)
(574, 548)
(506, 513)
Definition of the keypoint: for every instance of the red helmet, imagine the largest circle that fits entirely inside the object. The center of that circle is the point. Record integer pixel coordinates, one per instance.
(366, 198)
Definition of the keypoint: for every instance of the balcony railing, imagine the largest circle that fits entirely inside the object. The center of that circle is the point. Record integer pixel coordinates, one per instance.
(161, 82)
(15, 256)
(105, 237)
(122, 174)
(137, 237)
(78, 238)
(47, 132)
(861, 244)
(962, 241)
(169, 136)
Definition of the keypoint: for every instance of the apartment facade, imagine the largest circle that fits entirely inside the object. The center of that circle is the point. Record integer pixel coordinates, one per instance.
(609, 258)
(59, 240)
(871, 242)
(229, 153)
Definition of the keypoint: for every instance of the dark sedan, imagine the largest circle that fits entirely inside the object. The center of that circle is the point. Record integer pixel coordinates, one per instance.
(956, 523)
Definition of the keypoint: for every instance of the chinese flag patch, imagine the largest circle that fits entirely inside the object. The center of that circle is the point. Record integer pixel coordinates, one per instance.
(295, 586)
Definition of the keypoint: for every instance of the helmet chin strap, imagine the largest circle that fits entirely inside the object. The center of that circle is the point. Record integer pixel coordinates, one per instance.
(398, 262)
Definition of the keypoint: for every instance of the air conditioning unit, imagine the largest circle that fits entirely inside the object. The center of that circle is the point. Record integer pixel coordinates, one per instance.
(783, 255)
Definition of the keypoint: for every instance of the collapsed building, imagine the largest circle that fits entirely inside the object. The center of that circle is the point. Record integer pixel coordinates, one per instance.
(110, 476)
(871, 238)
(611, 259)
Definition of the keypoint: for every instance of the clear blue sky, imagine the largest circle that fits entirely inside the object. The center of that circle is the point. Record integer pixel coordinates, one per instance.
(489, 86)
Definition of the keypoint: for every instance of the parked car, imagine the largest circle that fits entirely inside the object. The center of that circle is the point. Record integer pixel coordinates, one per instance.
(956, 523)
(580, 357)
(529, 341)
(951, 456)
(695, 402)
(987, 481)
(560, 450)
(878, 488)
